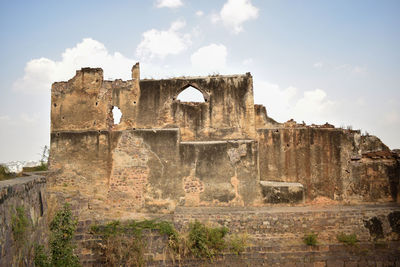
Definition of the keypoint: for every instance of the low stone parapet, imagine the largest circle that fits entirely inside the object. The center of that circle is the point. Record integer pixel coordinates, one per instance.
(23, 219)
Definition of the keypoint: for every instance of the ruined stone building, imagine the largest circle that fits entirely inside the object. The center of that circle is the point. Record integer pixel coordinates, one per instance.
(224, 151)
(222, 161)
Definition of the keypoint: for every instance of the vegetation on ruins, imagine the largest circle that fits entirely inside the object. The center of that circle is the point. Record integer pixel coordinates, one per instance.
(310, 239)
(123, 244)
(4, 173)
(19, 224)
(61, 249)
(348, 239)
(206, 242)
(238, 243)
(39, 168)
(43, 162)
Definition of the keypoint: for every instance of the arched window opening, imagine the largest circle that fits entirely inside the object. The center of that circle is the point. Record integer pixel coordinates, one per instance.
(117, 114)
(191, 94)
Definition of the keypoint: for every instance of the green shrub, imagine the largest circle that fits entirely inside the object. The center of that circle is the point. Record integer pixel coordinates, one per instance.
(124, 250)
(41, 167)
(19, 226)
(206, 241)
(168, 229)
(124, 244)
(62, 230)
(41, 259)
(43, 162)
(310, 239)
(349, 240)
(238, 243)
(5, 173)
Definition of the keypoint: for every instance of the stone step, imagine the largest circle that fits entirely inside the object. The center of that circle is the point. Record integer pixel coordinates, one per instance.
(282, 192)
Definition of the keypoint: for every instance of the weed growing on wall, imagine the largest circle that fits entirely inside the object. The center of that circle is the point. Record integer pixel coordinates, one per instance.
(310, 239)
(20, 224)
(123, 244)
(206, 242)
(44, 158)
(348, 239)
(238, 243)
(124, 250)
(4, 173)
(61, 248)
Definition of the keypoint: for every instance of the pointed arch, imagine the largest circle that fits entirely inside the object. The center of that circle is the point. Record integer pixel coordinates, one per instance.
(192, 93)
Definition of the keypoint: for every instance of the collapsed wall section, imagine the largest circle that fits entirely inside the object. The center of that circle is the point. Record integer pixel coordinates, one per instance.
(226, 113)
(329, 162)
(85, 102)
(166, 153)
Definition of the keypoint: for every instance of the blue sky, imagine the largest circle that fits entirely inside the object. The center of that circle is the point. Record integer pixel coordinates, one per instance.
(314, 61)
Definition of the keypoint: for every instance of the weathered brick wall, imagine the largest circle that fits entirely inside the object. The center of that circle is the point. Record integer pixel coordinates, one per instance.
(227, 113)
(85, 102)
(276, 236)
(287, 225)
(117, 174)
(329, 162)
(166, 153)
(27, 194)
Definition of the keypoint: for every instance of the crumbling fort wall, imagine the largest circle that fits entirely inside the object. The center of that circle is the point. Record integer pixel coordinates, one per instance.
(223, 161)
(329, 162)
(23, 219)
(224, 151)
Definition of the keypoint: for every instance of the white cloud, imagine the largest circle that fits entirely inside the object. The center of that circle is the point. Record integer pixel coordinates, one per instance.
(392, 117)
(278, 101)
(27, 118)
(208, 59)
(234, 13)
(169, 3)
(159, 44)
(352, 69)
(318, 65)
(312, 106)
(4, 118)
(41, 73)
(199, 13)
(247, 62)
(359, 70)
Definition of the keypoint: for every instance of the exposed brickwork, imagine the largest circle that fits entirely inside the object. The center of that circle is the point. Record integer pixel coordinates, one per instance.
(276, 237)
(206, 161)
(129, 172)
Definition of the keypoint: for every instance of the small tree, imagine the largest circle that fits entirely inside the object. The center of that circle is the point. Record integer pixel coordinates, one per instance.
(62, 230)
(44, 157)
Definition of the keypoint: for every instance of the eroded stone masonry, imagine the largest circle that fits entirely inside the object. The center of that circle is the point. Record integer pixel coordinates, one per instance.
(224, 151)
(222, 160)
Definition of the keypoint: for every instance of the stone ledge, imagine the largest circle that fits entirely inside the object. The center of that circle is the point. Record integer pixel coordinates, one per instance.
(282, 192)
(16, 186)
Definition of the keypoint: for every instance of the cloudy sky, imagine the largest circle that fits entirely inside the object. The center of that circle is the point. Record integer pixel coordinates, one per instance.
(314, 61)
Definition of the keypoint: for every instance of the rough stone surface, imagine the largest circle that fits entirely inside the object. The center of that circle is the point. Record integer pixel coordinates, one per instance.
(282, 192)
(212, 161)
(275, 237)
(165, 153)
(28, 194)
(328, 162)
